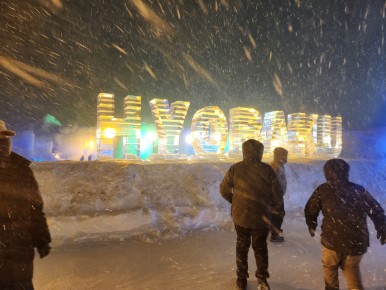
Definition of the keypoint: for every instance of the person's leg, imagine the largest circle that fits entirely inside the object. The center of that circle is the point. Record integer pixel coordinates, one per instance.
(20, 285)
(25, 285)
(351, 272)
(330, 261)
(242, 247)
(277, 222)
(259, 245)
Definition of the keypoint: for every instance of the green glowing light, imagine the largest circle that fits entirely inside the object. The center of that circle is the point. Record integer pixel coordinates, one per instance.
(49, 119)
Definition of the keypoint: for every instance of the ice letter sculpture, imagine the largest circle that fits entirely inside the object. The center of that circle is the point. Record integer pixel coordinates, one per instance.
(209, 131)
(328, 135)
(168, 121)
(244, 124)
(116, 137)
(300, 140)
(274, 131)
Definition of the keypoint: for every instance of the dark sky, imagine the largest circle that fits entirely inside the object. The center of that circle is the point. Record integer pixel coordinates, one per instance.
(324, 57)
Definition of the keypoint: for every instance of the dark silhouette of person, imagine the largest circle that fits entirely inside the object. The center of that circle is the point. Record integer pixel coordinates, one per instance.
(280, 156)
(23, 226)
(252, 187)
(345, 235)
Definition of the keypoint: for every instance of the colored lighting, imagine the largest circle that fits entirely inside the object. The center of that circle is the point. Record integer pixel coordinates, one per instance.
(304, 135)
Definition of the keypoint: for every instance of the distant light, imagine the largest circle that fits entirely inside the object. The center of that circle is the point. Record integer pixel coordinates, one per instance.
(49, 119)
(152, 136)
(109, 133)
(188, 139)
(217, 137)
(91, 145)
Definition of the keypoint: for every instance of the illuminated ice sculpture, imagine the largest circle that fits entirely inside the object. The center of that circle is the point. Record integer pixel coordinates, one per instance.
(300, 139)
(328, 136)
(118, 138)
(209, 131)
(274, 131)
(168, 121)
(307, 135)
(245, 123)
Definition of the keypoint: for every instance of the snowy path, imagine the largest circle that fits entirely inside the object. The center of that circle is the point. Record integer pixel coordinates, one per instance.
(200, 261)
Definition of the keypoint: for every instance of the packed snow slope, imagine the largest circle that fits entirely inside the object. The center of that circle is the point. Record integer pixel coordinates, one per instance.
(115, 200)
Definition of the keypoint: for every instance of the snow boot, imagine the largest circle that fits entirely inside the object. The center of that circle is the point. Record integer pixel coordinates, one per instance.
(276, 238)
(241, 283)
(262, 284)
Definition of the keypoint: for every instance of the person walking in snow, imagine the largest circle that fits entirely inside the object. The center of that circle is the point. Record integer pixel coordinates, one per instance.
(251, 186)
(23, 226)
(280, 156)
(345, 236)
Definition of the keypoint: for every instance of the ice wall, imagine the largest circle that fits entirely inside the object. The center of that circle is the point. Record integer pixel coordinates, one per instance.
(121, 199)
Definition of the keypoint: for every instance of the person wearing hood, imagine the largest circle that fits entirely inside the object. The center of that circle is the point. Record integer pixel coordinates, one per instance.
(252, 187)
(345, 235)
(23, 226)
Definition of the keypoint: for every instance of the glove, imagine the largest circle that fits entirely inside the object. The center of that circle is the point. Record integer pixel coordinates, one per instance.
(278, 213)
(381, 236)
(312, 231)
(44, 251)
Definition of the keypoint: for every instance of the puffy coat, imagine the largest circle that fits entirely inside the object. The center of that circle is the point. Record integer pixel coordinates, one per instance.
(345, 206)
(23, 225)
(253, 189)
(280, 173)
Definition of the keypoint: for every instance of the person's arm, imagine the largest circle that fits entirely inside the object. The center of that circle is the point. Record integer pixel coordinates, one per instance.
(277, 195)
(226, 186)
(311, 211)
(279, 170)
(377, 214)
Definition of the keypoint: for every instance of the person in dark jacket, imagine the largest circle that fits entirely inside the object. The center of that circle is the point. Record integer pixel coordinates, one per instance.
(23, 226)
(251, 186)
(280, 156)
(345, 236)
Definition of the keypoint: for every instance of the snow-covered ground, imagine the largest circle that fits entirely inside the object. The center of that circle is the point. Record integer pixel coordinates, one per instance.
(200, 260)
(164, 225)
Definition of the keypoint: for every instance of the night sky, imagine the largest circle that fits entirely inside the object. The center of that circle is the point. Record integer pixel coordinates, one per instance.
(323, 57)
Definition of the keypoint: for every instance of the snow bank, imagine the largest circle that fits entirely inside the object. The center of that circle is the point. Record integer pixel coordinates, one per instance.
(152, 201)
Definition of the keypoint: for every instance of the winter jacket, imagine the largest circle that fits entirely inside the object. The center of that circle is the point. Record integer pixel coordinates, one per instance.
(280, 173)
(251, 186)
(345, 206)
(23, 225)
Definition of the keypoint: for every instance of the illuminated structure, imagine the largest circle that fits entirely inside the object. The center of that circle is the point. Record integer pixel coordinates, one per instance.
(307, 135)
(245, 123)
(209, 131)
(328, 136)
(300, 138)
(118, 138)
(274, 131)
(336, 136)
(168, 121)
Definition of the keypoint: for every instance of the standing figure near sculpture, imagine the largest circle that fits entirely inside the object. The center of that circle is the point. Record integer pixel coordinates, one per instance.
(280, 156)
(345, 236)
(251, 186)
(23, 226)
